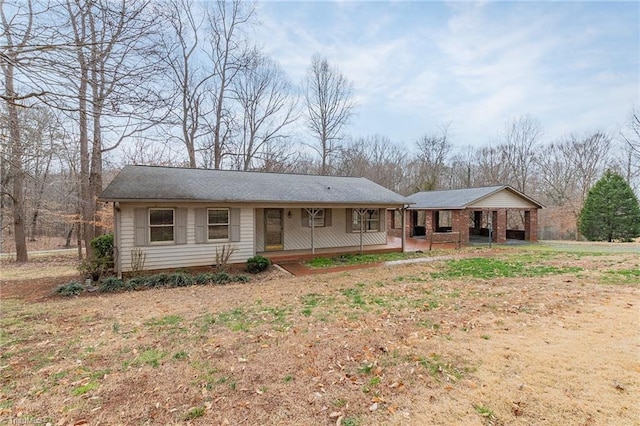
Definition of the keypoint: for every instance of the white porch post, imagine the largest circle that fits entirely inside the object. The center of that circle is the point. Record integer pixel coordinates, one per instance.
(313, 212)
(361, 213)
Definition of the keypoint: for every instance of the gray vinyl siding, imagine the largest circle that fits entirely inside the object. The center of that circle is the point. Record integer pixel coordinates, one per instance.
(503, 199)
(297, 237)
(161, 256)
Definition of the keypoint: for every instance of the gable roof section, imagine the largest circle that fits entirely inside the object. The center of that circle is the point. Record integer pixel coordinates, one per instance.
(459, 199)
(151, 183)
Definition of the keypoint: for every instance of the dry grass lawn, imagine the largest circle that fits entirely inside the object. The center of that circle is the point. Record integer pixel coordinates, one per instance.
(555, 342)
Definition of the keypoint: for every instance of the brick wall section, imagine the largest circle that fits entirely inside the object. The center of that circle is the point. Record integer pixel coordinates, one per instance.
(430, 221)
(460, 224)
(397, 232)
(500, 226)
(531, 225)
(390, 222)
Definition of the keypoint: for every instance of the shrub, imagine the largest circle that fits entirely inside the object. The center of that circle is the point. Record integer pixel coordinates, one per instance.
(103, 249)
(111, 285)
(158, 280)
(241, 279)
(220, 278)
(257, 264)
(91, 268)
(136, 283)
(72, 288)
(180, 279)
(202, 279)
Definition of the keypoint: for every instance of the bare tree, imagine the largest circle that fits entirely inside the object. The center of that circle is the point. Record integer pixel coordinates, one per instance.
(188, 73)
(630, 137)
(268, 105)
(330, 105)
(375, 157)
(41, 133)
(229, 54)
(462, 169)
(17, 32)
(111, 75)
(518, 149)
(433, 152)
(570, 168)
(490, 168)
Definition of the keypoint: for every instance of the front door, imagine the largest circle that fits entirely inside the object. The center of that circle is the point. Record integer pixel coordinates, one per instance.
(273, 229)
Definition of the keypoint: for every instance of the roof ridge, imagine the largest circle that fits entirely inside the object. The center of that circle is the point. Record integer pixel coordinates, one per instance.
(244, 171)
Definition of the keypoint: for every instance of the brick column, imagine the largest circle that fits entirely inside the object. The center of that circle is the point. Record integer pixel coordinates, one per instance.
(500, 226)
(430, 221)
(460, 223)
(465, 217)
(408, 227)
(531, 225)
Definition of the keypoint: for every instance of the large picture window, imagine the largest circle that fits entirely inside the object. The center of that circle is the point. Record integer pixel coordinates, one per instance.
(161, 225)
(218, 224)
(370, 220)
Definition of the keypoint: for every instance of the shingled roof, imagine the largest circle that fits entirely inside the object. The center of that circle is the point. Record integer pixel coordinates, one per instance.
(454, 199)
(151, 183)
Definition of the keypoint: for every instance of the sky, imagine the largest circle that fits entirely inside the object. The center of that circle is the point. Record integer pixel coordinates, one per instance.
(419, 65)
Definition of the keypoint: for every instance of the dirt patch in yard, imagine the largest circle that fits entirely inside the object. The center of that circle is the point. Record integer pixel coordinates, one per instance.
(386, 345)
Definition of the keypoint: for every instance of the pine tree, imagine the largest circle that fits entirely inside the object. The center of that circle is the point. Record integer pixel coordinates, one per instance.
(611, 211)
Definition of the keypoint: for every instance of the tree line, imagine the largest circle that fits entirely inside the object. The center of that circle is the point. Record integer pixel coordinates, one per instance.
(90, 85)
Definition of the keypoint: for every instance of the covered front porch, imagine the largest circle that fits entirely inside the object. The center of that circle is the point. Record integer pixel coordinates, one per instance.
(280, 256)
(393, 245)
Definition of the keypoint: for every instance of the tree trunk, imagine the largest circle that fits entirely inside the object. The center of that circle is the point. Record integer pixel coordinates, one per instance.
(34, 226)
(15, 167)
(67, 242)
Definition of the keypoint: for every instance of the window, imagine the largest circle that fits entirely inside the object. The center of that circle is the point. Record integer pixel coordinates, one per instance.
(318, 220)
(218, 224)
(161, 225)
(321, 219)
(370, 219)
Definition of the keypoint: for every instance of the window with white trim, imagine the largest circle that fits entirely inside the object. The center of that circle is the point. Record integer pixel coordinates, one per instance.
(218, 224)
(370, 219)
(161, 225)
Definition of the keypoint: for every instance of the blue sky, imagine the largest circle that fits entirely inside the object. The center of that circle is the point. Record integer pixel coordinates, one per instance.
(575, 66)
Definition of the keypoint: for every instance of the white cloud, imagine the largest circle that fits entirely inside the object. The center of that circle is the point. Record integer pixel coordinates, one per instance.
(574, 66)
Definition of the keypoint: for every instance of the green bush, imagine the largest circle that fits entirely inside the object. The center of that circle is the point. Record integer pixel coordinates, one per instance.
(103, 249)
(177, 279)
(220, 278)
(157, 280)
(202, 279)
(72, 288)
(102, 260)
(111, 285)
(91, 268)
(180, 279)
(136, 283)
(257, 264)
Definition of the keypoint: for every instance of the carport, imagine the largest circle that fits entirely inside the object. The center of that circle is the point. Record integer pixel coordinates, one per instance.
(453, 216)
